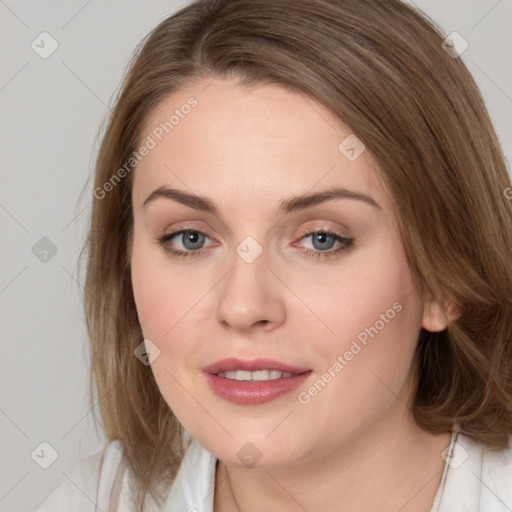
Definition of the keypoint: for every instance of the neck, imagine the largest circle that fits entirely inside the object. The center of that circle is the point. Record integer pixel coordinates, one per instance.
(384, 467)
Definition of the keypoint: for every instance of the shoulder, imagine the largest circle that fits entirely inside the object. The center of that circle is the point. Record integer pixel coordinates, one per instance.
(479, 477)
(490, 462)
(88, 484)
(495, 476)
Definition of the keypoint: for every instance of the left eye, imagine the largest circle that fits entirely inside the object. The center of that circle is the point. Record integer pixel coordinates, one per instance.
(325, 240)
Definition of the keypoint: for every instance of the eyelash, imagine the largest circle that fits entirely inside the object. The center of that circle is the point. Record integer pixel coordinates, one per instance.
(347, 244)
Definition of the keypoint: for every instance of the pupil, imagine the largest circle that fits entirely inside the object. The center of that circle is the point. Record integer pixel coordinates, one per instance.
(323, 237)
(192, 236)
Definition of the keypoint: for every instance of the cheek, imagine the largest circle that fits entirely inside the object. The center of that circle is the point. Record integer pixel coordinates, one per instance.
(375, 314)
(371, 299)
(162, 300)
(155, 298)
(170, 306)
(163, 293)
(147, 291)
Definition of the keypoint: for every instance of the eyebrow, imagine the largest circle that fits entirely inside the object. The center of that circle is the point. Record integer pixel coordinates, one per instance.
(286, 206)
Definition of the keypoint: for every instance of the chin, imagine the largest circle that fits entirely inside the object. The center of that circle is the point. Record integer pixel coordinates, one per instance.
(255, 450)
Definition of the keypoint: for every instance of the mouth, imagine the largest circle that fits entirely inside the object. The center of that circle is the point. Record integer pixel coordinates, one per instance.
(254, 381)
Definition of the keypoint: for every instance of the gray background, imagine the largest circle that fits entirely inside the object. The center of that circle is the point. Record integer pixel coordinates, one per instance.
(51, 113)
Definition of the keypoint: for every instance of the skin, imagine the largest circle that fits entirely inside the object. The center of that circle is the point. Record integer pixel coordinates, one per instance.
(355, 445)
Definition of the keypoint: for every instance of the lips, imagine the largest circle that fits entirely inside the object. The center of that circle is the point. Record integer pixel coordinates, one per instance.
(232, 364)
(256, 390)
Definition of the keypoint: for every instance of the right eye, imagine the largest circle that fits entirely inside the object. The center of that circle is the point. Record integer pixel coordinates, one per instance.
(190, 239)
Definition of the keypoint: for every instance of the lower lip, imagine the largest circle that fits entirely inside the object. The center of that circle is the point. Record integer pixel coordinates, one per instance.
(252, 393)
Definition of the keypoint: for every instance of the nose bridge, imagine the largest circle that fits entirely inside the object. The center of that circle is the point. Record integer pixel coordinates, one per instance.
(249, 295)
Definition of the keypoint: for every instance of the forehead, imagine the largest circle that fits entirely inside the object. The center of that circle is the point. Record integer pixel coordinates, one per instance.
(260, 143)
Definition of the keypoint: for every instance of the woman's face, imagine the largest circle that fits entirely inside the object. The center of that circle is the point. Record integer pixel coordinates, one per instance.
(341, 309)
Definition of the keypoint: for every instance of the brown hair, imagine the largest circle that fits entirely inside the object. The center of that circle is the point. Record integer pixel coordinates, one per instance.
(379, 66)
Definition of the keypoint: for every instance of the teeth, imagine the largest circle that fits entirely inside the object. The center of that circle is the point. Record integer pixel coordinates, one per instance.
(254, 376)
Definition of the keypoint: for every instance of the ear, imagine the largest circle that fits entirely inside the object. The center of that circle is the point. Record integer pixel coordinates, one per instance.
(437, 315)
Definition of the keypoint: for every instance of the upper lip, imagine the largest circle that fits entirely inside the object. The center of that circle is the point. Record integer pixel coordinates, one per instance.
(251, 365)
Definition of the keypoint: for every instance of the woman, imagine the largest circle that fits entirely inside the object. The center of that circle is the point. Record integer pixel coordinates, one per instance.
(299, 280)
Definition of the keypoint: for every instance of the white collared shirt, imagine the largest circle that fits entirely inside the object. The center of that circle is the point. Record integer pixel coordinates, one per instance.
(475, 479)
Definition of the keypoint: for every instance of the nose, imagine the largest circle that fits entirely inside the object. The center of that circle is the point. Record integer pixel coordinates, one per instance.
(251, 297)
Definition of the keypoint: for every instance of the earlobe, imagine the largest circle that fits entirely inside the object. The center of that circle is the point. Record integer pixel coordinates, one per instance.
(436, 318)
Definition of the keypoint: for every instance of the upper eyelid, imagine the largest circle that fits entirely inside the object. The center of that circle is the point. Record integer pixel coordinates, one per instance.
(190, 227)
(302, 231)
(301, 215)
